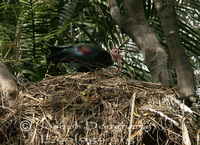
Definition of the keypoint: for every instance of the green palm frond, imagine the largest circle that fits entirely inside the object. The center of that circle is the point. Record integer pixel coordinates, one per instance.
(9, 13)
(189, 21)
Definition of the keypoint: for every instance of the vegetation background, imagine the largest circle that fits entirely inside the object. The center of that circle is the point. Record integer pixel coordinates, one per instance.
(27, 27)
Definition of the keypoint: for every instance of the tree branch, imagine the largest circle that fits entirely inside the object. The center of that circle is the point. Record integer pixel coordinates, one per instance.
(115, 13)
(133, 9)
(167, 14)
(136, 26)
(8, 87)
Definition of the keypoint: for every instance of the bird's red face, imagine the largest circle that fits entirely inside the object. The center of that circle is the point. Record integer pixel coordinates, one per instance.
(116, 56)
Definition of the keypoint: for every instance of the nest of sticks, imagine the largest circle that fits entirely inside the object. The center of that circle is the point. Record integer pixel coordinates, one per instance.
(97, 108)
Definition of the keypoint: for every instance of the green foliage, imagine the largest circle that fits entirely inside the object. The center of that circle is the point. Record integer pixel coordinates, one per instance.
(32, 24)
(189, 24)
(28, 27)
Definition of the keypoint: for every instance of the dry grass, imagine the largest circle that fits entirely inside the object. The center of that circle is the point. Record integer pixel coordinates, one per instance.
(97, 108)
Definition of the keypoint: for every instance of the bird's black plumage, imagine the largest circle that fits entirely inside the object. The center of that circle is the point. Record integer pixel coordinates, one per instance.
(82, 58)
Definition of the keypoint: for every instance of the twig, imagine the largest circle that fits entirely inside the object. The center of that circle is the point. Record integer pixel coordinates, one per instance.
(198, 142)
(29, 96)
(4, 107)
(186, 138)
(184, 107)
(131, 120)
(162, 115)
(166, 129)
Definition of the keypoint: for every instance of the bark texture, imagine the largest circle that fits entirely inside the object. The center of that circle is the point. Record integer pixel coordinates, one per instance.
(185, 76)
(8, 87)
(135, 25)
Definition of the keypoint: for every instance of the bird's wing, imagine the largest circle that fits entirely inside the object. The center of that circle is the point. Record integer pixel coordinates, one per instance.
(84, 51)
(57, 48)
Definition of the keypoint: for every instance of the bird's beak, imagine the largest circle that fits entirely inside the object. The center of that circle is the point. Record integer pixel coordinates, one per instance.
(119, 62)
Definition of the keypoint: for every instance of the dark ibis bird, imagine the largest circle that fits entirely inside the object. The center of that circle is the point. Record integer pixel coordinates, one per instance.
(84, 58)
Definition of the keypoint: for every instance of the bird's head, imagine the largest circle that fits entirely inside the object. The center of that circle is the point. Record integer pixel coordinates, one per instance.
(115, 55)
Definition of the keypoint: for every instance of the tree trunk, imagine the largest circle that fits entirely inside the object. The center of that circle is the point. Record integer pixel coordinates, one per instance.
(185, 76)
(135, 25)
(8, 87)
